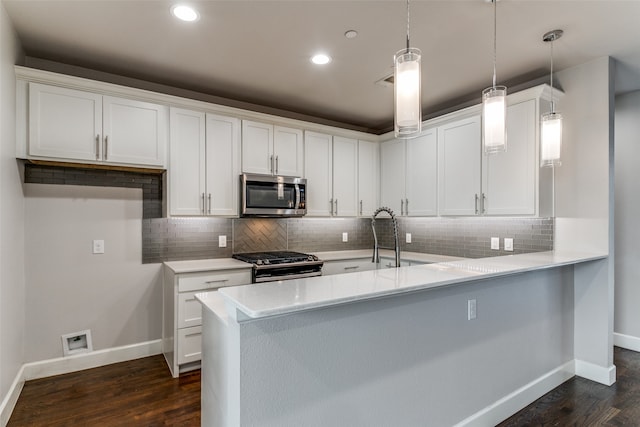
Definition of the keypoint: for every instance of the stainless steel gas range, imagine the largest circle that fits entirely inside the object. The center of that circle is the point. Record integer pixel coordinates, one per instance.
(281, 265)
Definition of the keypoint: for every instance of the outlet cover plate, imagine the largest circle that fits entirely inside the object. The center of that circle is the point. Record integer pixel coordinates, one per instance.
(98, 246)
(345, 237)
(222, 241)
(508, 244)
(495, 243)
(408, 237)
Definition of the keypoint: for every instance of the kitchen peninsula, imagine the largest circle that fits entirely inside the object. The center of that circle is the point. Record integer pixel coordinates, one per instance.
(465, 342)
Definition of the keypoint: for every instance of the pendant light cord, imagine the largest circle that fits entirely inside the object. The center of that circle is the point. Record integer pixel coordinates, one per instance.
(495, 30)
(553, 104)
(407, 26)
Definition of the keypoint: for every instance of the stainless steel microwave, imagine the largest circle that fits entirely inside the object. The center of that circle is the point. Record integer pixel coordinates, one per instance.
(272, 196)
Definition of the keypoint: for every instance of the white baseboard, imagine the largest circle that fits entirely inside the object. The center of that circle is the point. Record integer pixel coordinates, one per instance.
(10, 400)
(65, 365)
(597, 373)
(626, 341)
(512, 403)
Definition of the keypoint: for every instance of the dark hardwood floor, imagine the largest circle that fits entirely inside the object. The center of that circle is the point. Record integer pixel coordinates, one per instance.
(136, 393)
(142, 393)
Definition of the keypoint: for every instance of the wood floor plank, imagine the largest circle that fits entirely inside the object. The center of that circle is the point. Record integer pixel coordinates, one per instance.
(143, 393)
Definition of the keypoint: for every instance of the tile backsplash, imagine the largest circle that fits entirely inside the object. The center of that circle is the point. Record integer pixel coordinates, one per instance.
(170, 239)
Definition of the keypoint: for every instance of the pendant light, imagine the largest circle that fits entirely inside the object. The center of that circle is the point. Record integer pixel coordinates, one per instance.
(551, 122)
(407, 91)
(494, 106)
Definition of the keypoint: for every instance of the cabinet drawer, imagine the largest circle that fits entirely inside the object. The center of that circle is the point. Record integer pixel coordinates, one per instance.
(347, 266)
(189, 310)
(202, 281)
(189, 344)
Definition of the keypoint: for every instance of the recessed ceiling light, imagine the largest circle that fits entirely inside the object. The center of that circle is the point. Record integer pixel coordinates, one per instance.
(351, 34)
(185, 13)
(320, 59)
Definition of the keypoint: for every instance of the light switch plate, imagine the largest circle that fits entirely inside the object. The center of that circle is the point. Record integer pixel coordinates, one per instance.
(98, 246)
(508, 244)
(345, 237)
(222, 241)
(495, 243)
(408, 237)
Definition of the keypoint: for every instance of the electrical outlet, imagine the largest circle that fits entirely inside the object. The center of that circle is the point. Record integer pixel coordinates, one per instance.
(471, 309)
(345, 237)
(495, 243)
(98, 246)
(222, 241)
(408, 237)
(508, 244)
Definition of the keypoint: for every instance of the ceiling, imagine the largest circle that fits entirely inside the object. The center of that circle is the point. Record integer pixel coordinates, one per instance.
(258, 51)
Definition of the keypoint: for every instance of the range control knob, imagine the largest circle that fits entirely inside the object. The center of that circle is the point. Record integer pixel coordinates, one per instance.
(259, 262)
(312, 258)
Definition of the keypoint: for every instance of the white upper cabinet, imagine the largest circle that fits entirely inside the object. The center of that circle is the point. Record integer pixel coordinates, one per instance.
(345, 176)
(77, 125)
(134, 131)
(204, 164)
(408, 176)
(64, 123)
(187, 162)
(318, 167)
(459, 161)
(368, 177)
(393, 175)
(509, 177)
(422, 175)
(271, 150)
(287, 149)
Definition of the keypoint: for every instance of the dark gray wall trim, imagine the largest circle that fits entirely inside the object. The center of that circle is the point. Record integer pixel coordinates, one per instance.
(151, 184)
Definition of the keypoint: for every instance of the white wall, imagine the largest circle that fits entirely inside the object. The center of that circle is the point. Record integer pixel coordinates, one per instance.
(12, 282)
(584, 219)
(627, 213)
(69, 289)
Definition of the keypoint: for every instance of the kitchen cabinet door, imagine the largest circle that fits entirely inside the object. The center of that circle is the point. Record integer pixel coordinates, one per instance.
(392, 175)
(345, 176)
(64, 123)
(422, 175)
(459, 160)
(223, 165)
(368, 177)
(187, 162)
(509, 177)
(318, 172)
(134, 131)
(288, 151)
(257, 148)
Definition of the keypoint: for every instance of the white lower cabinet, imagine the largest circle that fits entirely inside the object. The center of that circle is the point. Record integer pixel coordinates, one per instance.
(182, 313)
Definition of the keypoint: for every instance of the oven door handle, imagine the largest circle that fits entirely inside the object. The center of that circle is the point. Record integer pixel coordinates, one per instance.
(291, 264)
(287, 277)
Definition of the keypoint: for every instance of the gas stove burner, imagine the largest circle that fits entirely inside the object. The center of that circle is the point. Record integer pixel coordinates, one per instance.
(277, 257)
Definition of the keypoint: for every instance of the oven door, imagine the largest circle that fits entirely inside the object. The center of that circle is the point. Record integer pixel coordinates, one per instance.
(299, 270)
(265, 195)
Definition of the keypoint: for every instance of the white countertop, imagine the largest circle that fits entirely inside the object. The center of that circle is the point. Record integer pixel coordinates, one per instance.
(368, 253)
(197, 265)
(277, 298)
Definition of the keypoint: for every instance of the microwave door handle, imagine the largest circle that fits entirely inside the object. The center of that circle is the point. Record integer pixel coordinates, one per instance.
(297, 187)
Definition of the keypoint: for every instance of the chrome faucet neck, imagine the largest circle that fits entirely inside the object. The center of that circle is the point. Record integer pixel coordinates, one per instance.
(376, 247)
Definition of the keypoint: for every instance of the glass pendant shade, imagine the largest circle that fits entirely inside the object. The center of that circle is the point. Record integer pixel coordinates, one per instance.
(407, 93)
(494, 113)
(550, 139)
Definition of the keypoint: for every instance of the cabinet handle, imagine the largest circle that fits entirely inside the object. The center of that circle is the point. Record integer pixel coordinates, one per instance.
(271, 160)
(331, 207)
(195, 334)
(209, 204)
(401, 207)
(360, 207)
(106, 147)
(203, 204)
(482, 205)
(336, 202)
(406, 206)
(209, 282)
(277, 165)
(98, 147)
(476, 203)
(352, 267)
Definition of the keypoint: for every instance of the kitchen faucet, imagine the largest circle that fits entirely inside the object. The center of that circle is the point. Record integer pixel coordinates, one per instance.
(376, 256)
